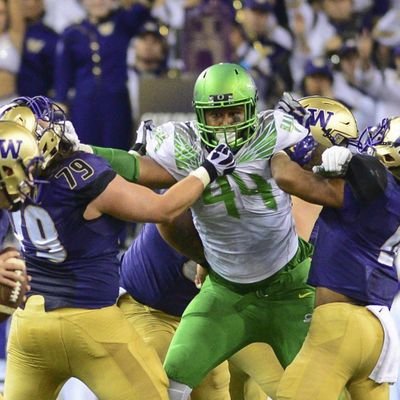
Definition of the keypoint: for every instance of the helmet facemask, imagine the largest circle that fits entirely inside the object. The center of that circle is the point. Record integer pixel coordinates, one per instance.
(17, 183)
(373, 136)
(383, 141)
(219, 87)
(234, 135)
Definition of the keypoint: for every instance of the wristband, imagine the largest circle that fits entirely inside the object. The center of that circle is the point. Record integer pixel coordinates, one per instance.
(211, 170)
(202, 174)
(123, 163)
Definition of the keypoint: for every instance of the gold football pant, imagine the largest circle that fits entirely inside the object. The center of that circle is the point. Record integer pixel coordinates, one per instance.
(341, 349)
(255, 371)
(99, 347)
(257, 360)
(157, 329)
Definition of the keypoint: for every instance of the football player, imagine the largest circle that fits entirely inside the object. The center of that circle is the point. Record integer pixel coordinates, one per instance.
(20, 157)
(70, 325)
(20, 178)
(331, 123)
(352, 341)
(256, 290)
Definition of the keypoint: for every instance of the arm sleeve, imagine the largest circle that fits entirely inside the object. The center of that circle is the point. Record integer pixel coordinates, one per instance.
(123, 163)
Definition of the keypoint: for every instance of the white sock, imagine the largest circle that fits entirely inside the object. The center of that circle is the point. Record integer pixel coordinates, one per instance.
(178, 391)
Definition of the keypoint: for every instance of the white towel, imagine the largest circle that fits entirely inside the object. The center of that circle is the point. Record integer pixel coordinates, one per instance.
(387, 367)
(122, 291)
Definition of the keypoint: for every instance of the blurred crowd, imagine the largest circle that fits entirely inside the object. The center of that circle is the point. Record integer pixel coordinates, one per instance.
(90, 55)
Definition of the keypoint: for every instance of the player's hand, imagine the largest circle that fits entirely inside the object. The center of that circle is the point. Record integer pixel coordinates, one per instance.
(220, 162)
(141, 137)
(291, 106)
(10, 264)
(201, 274)
(71, 136)
(335, 161)
(302, 151)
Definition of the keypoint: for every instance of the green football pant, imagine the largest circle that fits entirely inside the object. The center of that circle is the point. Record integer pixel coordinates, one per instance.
(225, 317)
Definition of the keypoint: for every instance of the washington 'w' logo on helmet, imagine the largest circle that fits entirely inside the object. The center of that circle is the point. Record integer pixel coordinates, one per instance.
(10, 147)
(331, 122)
(319, 117)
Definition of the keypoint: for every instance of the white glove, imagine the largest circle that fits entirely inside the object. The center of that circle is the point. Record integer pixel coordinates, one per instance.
(335, 161)
(71, 136)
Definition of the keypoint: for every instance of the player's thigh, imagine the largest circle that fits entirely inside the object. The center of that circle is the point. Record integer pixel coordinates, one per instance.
(111, 358)
(215, 386)
(258, 361)
(36, 363)
(210, 330)
(289, 306)
(369, 390)
(23, 383)
(154, 326)
(343, 345)
(243, 387)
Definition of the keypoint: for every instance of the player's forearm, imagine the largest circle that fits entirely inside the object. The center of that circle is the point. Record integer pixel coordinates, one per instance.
(136, 168)
(179, 198)
(183, 236)
(294, 180)
(123, 163)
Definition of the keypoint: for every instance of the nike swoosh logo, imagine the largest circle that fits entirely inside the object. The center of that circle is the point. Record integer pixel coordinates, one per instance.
(306, 294)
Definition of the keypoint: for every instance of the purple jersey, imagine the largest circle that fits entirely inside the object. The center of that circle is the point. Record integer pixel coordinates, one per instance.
(152, 273)
(356, 247)
(73, 262)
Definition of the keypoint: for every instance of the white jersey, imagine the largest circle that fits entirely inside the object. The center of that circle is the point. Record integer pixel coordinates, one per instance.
(244, 219)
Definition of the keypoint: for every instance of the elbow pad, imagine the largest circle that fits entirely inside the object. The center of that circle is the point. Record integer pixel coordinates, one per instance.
(123, 163)
(367, 177)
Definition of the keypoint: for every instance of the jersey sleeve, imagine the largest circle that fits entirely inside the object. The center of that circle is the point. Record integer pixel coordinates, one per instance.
(172, 146)
(123, 163)
(288, 130)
